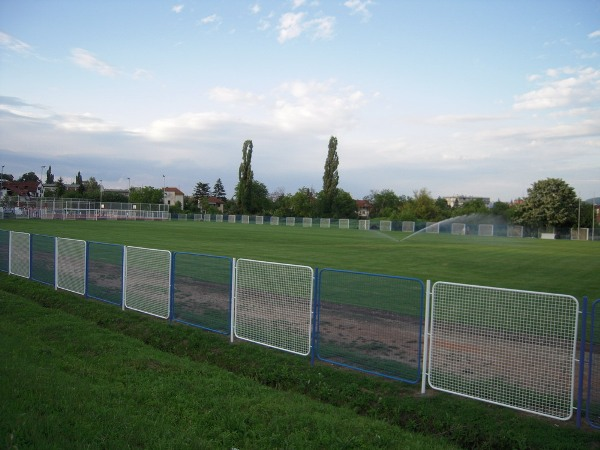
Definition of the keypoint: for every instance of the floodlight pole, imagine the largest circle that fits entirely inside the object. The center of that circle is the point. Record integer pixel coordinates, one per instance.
(42, 180)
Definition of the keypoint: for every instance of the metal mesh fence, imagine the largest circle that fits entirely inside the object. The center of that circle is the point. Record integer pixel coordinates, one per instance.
(70, 265)
(508, 347)
(592, 383)
(273, 305)
(371, 322)
(408, 227)
(147, 281)
(20, 246)
(459, 228)
(4, 250)
(43, 251)
(385, 225)
(105, 272)
(202, 291)
(485, 230)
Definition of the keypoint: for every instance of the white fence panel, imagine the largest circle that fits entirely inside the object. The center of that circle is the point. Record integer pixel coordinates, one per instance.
(19, 257)
(514, 231)
(385, 225)
(147, 281)
(408, 227)
(432, 227)
(507, 347)
(71, 265)
(273, 305)
(485, 229)
(459, 228)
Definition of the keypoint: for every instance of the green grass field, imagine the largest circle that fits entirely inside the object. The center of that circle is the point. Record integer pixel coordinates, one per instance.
(555, 266)
(86, 374)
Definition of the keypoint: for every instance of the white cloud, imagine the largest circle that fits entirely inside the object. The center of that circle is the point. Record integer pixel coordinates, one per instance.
(177, 8)
(297, 3)
(13, 44)
(316, 106)
(142, 74)
(562, 88)
(87, 60)
(84, 123)
(176, 127)
(360, 7)
(594, 34)
(255, 9)
(464, 119)
(292, 25)
(210, 19)
(323, 27)
(226, 95)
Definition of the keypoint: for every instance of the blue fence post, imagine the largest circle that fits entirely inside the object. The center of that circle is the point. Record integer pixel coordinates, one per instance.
(590, 363)
(315, 316)
(87, 268)
(172, 288)
(581, 360)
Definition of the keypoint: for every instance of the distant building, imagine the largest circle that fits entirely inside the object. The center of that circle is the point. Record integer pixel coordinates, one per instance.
(172, 196)
(23, 189)
(216, 202)
(459, 200)
(363, 209)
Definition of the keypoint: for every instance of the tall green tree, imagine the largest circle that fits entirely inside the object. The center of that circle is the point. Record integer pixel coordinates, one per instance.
(303, 203)
(330, 177)
(344, 206)
(29, 176)
(384, 203)
(475, 206)
(201, 193)
(146, 194)
(549, 203)
(246, 176)
(259, 200)
(49, 176)
(60, 188)
(201, 190)
(219, 190)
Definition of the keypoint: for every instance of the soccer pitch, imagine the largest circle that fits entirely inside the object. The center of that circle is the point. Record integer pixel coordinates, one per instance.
(556, 266)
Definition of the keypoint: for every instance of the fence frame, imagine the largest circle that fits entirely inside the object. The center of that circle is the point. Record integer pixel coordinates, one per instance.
(465, 347)
(307, 309)
(350, 365)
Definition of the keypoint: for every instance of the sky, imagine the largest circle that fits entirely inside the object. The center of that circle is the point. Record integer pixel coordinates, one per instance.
(459, 97)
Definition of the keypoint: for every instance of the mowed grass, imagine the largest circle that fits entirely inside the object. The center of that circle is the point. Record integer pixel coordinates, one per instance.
(555, 266)
(68, 383)
(83, 374)
(86, 374)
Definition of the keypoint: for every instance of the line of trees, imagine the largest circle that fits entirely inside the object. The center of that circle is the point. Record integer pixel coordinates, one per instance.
(550, 203)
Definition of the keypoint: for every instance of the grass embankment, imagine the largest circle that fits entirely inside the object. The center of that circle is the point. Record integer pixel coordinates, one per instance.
(78, 373)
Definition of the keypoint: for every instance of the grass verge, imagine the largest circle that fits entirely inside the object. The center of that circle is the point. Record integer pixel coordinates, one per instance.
(80, 373)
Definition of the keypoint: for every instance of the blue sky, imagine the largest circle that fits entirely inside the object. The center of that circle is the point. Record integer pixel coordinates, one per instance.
(456, 96)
